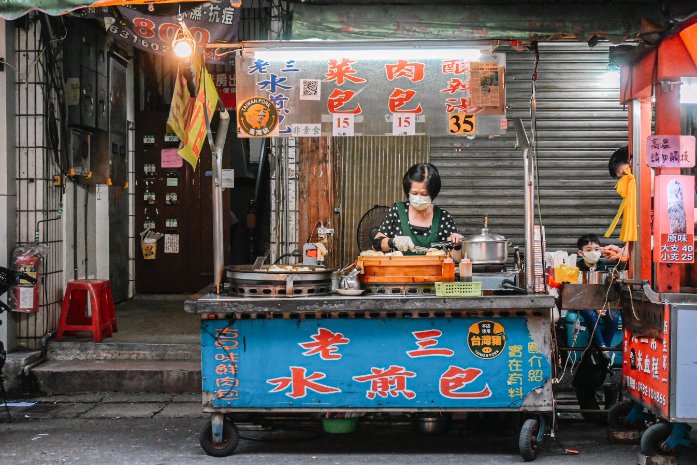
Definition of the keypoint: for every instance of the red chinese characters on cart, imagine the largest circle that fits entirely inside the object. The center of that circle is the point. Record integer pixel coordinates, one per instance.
(646, 367)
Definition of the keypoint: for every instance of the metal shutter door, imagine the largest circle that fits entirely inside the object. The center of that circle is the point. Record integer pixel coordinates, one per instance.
(579, 124)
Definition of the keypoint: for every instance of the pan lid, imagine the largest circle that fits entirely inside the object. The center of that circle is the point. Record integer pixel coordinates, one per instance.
(485, 235)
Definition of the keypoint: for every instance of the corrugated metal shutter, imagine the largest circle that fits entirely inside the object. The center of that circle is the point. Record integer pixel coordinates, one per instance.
(368, 172)
(579, 124)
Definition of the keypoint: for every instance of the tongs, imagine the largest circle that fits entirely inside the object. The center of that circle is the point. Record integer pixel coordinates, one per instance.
(445, 246)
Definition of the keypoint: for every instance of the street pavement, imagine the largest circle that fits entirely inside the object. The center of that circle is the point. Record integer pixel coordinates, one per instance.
(160, 429)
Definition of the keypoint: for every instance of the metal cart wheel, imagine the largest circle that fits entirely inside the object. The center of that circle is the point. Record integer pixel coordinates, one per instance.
(530, 439)
(617, 417)
(230, 439)
(653, 440)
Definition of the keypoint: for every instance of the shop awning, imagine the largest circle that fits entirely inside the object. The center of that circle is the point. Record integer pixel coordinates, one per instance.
(13, 9)
(514, 21)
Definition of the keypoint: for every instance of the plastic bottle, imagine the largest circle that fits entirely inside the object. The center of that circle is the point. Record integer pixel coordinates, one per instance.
(466, 270)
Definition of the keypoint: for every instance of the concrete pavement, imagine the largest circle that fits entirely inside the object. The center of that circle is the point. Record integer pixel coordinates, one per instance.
(115, 428)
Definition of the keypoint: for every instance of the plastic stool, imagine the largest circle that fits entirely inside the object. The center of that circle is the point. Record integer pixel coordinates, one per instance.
(74, 316)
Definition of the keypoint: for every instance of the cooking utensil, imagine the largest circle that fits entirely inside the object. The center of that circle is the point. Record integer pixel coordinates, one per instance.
(486, 248)
(260, 261)
(446, 246)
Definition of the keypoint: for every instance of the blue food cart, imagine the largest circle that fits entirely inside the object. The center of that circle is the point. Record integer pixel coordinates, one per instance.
(378, 353)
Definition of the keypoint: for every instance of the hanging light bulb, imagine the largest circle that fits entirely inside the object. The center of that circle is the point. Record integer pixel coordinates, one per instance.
(236, 4)
(151, 7)
(183, 43)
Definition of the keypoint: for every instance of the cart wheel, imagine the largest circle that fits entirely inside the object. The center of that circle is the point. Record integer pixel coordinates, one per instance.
(654, 437)
(527, 442)
(231, 437)
(617, 417)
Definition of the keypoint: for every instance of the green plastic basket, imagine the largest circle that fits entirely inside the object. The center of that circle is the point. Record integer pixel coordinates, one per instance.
(459, 289)
(340, 425)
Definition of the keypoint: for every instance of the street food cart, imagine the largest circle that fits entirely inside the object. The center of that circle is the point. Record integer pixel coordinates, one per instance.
(659, 305)
(278, 340)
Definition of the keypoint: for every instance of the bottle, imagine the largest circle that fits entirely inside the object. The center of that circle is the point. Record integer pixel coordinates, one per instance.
(466, 270)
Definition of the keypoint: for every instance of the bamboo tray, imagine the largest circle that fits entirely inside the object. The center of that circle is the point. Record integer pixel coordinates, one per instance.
(407, 269)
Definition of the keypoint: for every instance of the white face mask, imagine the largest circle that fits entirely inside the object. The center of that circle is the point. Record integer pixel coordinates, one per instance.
(591, 257)
(419, 202)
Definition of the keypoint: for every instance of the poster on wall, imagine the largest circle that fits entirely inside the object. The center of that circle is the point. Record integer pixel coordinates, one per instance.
(345, 92)
(674, 229)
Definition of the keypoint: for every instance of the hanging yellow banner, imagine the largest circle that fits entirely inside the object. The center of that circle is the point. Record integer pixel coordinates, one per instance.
(188, 114)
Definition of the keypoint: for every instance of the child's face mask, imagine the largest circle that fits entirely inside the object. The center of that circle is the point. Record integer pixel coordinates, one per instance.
(591, 257)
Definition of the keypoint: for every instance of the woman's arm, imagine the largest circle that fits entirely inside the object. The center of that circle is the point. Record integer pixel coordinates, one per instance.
(383, 242)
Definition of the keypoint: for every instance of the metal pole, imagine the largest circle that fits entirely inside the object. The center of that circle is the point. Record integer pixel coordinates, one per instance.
(217, 174)
(528, 167)
(637, 162)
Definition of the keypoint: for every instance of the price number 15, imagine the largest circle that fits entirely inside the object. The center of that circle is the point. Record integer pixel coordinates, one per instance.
(462, 123)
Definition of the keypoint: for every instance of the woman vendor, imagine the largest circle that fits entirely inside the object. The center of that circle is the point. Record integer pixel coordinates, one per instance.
(417, 222)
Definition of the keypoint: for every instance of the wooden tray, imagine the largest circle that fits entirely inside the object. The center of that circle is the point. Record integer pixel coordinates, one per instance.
(407, 269)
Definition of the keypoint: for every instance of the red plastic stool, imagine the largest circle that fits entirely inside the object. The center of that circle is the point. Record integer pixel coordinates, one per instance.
(74, 316)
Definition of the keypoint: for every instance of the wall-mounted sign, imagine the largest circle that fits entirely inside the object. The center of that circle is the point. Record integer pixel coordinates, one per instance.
(400, 91)
(674, 228)
(209, 23)
(225, 83)
(670, 151)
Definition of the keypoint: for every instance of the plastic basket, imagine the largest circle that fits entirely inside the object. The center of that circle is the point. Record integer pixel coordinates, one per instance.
(339, 425)
(459, 289)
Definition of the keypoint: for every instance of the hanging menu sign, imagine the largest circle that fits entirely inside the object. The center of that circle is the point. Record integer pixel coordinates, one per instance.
(674, 228)
(670, 151)
(400, 91)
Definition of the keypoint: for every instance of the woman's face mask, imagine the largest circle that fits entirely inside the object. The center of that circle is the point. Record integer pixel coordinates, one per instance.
(419, 202)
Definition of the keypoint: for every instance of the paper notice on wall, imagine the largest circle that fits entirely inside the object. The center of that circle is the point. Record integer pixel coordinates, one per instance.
(169, 158)
(485, 84)
(171, 243)
(26, 297)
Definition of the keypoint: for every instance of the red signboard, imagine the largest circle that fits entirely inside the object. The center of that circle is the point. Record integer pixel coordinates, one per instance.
(674, 229)
(646, 367)
(225, 83)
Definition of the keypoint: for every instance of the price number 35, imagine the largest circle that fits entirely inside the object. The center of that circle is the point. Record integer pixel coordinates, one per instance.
(462, 123)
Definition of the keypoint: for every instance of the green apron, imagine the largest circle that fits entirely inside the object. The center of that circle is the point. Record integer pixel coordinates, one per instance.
(418, 240)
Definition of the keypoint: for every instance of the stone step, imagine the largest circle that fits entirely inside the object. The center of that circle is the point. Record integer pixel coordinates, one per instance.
(87, 350)
(76, 376)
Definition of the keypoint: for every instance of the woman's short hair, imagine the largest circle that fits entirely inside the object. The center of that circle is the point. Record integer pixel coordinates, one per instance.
(618, 158)
(422, 172)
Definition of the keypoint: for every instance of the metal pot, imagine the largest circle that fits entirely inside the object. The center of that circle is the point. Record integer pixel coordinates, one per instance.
(486, 248)
(594, 277)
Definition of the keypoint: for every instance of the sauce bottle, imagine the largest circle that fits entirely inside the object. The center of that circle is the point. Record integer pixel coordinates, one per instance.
(466, 270)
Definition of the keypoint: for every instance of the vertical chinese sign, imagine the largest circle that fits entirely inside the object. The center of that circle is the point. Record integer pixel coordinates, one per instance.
(646, 366)
(674, 198)
(343, 92)
(371, 363)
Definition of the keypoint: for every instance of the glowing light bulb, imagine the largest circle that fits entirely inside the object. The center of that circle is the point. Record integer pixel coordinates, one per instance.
(183, 48)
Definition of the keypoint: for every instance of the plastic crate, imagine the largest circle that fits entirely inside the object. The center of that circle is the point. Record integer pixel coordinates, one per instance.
(458, 289)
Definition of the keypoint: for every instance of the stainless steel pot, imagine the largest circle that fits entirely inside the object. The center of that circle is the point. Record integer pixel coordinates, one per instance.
(486, 248)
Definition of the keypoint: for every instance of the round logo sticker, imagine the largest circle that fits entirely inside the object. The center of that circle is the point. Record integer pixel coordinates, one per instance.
(257, 116)
(486, 339)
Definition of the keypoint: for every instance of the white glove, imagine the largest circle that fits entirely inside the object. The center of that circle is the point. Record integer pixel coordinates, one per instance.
(403, 243)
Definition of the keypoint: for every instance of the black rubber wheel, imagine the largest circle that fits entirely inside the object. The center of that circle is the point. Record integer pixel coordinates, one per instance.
(617, 417)
(653, 437)
(231, 437)
(527, 441)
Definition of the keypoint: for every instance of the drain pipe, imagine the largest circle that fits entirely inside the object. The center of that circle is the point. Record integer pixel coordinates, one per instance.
(217, 172)
(528, 167)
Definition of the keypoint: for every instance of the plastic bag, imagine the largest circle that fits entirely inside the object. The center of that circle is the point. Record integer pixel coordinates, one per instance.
(566, 274)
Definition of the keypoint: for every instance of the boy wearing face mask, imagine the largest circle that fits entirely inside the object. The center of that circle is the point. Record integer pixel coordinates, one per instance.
(417, 222)
(591, 259)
